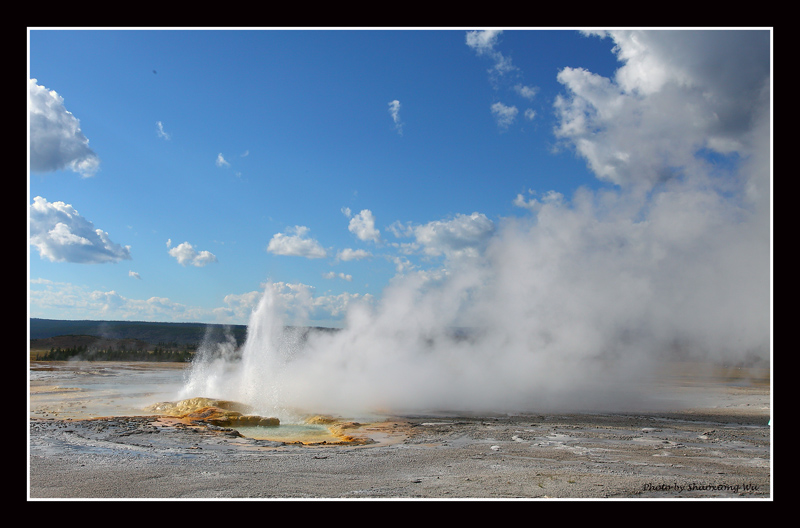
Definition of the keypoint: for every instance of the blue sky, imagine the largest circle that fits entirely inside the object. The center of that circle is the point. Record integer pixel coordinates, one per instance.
(335, 162)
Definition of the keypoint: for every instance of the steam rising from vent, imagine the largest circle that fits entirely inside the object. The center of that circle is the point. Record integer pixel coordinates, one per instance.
(576, 305)
(572, 309)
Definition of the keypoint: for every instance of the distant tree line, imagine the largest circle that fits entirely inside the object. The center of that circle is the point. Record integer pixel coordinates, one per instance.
(152, 332)
(85, 353)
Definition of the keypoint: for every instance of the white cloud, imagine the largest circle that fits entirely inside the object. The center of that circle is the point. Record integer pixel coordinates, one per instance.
(64, 300)
(239, 306)
(463, 235)
(221, 162)
(483, 43)
(295, 302)
(110, 301)
(296, 244)
(56, 139)
(352, 254)
(504, 115)
(400, 229)
(406, 248)
(341, 275)
(160, 131)
(532, 204)
(528, 92)
(402, 265)
(134, 275)
(298, 300)
(335, 306)
(186, 254)
(394, 110)
(347, 212)
(363, 226)
(61, 234)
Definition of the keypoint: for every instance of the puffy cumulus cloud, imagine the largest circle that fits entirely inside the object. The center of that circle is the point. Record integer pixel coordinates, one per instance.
(56, 139)
(298, 302)
(295, 301)
(676, 95)
(483, 42)
(61, 234)
(729, 66)
(363, 226)
(462, 235)
(296, 244)
(238, 307)
(186, 254)
(110, 301)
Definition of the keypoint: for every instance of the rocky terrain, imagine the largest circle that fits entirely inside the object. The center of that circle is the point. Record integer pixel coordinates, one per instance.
(720, 452)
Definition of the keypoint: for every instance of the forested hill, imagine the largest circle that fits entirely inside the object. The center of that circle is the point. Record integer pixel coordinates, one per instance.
(153, 333)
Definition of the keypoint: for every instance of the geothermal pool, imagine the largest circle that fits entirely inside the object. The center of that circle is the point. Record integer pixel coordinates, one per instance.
(85, 390)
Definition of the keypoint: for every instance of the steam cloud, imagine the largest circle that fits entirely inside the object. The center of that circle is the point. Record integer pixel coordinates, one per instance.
(571, 306)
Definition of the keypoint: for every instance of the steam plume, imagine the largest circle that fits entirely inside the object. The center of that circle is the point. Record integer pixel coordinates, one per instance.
(573, 306)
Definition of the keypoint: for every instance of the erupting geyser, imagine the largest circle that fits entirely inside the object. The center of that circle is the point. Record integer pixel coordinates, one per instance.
(577, 304)
(251, 375)
(576, 309)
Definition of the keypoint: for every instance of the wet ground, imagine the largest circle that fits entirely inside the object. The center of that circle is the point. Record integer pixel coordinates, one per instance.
(86, 389)
(719, 450)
